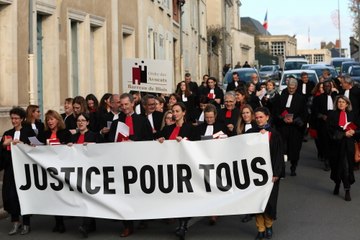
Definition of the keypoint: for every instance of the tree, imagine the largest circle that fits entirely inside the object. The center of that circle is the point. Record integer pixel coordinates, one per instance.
(355, 11)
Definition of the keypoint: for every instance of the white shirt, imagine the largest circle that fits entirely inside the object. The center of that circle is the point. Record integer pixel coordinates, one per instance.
(17, 135)
(288, 103)
(330, 104)
(347, 92)
(201, 118)
(209, 130)
(138, 109)
(247, 126)
(184, 98)
(304, 88)
(151, 120)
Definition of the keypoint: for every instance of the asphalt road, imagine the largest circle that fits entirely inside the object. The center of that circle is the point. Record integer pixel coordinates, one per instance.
(306, 210)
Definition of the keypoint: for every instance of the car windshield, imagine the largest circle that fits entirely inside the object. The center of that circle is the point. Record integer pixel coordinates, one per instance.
(319, 71)
(346, 66)
(266, 69)
(293, 65)
(355, 72)
(243, 75)
(312, 77)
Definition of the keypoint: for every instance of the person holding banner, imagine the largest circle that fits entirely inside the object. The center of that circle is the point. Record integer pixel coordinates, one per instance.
(85, 136)
(210, 125)
(245, 124)
(18, 134)
(264, 221)
(55, 133)
(137, 128)
(179, 131)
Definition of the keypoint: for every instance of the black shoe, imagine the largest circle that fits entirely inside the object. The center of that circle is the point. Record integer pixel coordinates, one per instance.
(180, 232)
(25, 230)
(269, 233)
(83, 231)
(15, 229)
(260, 236)
(336, 189)
(246, 219)
(347, 196)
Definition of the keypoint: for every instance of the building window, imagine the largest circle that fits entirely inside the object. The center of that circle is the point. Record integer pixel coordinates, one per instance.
(74, 26)
(318, 58)
(277, 48)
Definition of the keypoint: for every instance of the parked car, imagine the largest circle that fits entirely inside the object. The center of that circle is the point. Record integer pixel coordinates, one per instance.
(296, 74)
(270, 72)
(294, 63)
(319, 68)
(344, 69)
(337, 61)
(354, 73)
(244, 75)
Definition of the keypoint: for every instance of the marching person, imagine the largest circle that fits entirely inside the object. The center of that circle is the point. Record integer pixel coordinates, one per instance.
(139, 130)
(85, 136)
(264, 221)
(179, 131)
(213, 93)
(343, 129)
(149, 105)
(18, 134)
(55, 133)
(290, 119)
(33, 119)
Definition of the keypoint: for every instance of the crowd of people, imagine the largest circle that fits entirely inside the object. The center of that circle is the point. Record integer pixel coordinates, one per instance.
(328, 111)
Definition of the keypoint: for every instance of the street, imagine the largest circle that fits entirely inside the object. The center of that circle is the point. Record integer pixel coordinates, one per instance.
(307, 209)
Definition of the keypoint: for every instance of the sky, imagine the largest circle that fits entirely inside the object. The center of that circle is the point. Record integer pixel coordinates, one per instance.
(305, 18)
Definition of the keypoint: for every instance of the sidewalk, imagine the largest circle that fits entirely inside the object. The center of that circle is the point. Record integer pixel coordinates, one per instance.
(3, 214)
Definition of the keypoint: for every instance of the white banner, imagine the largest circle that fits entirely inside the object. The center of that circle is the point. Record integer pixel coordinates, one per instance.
(147, 75)
(145, 180)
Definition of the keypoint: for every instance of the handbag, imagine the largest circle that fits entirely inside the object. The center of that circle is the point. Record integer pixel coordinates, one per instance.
(357, 152)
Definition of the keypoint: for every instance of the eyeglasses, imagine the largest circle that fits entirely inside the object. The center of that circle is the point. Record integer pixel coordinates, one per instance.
(81, 120)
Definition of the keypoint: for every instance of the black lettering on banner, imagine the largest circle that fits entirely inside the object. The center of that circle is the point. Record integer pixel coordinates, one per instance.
(127, 179)
(260, 171)
(245, 173)
(170, 178)
(108, 180)
(151, 172)
(219, 180)
(79, 179)
(68, 171)
(27, 177)
(207, 168)
(183, 176)
(54, 174)
(37, 178)
(88, 180)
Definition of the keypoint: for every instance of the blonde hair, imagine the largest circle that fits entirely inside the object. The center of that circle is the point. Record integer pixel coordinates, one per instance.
(57, 116)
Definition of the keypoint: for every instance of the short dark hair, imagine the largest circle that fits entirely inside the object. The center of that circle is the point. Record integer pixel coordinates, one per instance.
(187, 75)
(127, 95)
(264, 110)
(18, 111)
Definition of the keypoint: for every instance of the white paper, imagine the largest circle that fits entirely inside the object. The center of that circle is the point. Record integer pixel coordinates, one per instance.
(35, 141)
(123, 129)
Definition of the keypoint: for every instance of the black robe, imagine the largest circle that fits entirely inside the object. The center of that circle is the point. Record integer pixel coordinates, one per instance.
(218, 126)
(142, 128)
(63, 135)
(70, 121)
(292, 133)
(235, 114)
(187, 130)
(157, 120)
(278, 167)
(9, 194)
(90, 137)
(341, 149)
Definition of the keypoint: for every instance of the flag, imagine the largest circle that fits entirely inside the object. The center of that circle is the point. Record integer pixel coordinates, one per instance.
(265, 24)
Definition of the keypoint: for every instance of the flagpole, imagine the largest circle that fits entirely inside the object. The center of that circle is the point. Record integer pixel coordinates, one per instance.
(340, 54)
